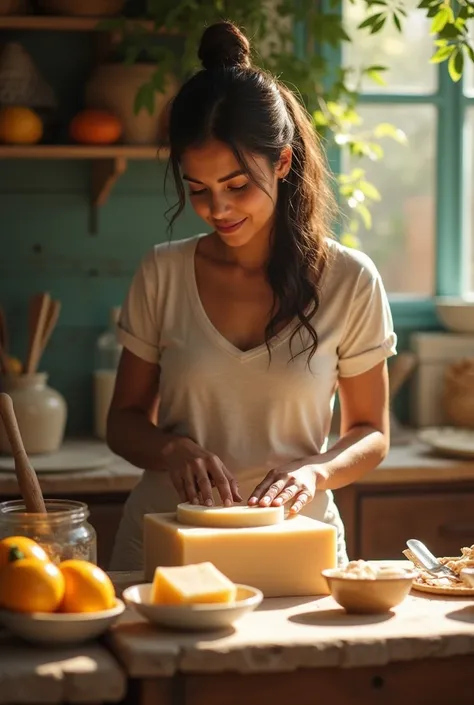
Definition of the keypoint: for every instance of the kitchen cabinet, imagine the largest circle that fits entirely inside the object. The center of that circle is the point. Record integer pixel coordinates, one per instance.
(380, 518)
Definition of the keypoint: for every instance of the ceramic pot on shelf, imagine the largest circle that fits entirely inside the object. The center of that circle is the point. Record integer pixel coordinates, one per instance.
(114, 86)
(41, 413)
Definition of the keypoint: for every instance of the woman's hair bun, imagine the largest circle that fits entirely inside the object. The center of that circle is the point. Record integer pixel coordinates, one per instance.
(224, 46)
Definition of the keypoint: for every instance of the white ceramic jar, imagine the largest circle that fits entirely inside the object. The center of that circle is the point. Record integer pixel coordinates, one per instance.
(41, 413)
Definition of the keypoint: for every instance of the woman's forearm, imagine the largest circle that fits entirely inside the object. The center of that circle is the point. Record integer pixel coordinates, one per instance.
(135, 438)
(356, 453)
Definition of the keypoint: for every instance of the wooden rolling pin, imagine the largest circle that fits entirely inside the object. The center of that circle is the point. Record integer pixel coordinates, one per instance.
(25, 474)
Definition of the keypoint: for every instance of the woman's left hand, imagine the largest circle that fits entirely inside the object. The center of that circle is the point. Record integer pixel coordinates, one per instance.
(283, 485)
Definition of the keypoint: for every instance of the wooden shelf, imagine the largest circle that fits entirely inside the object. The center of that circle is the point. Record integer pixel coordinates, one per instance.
(46, 151)
(108, 164)
(68, 24)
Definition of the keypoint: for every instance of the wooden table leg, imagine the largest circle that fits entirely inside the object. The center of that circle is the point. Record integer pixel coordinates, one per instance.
(424, 682)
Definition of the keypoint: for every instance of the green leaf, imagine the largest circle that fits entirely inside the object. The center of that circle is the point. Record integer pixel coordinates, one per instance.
(385, 129)
(441, 19)
(377, 68)
(376, 78)
(370, 21)
(425, 4)
(131, 54)
(319, 118)
(378, 25)
(370, 191)
(145, 98)
(442, 54)
(396, 21)
(350, 240)
(456, 64)
(158, 80)
(365, 215)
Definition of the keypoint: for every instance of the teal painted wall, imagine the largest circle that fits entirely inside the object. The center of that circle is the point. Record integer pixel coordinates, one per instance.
(46, 245)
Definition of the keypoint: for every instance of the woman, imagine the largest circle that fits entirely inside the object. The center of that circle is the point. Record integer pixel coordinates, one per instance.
(235, 341)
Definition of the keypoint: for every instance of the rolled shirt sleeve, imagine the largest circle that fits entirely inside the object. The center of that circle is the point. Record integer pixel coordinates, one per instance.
(369, 337)
(138, 325)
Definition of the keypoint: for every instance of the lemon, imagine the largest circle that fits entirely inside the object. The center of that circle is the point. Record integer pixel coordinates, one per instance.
(20, 125)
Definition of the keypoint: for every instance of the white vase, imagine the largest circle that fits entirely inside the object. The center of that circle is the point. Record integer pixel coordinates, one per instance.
(41, 413)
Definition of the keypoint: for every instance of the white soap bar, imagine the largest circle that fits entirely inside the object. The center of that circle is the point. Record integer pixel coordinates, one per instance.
(228, 517)
(282, 560)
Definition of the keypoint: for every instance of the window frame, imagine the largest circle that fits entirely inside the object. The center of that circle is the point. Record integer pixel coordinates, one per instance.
(452, 229)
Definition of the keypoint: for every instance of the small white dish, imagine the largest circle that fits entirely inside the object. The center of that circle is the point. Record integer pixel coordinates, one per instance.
(60, 628)
(198, 617)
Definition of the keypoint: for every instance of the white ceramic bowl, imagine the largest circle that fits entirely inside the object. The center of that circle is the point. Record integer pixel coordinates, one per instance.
(456, 314)
(199, 617)
(58, 628)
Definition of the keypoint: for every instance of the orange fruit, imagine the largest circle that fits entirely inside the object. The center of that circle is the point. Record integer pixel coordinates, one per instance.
(87, 587)
(31, 585)
(20, 125)
(15, 547)
(95, 127)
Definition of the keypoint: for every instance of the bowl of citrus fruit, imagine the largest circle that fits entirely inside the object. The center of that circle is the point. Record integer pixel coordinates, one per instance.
(45, 603)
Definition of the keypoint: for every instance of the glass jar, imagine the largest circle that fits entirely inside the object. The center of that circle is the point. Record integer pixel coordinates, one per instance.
(63, 532)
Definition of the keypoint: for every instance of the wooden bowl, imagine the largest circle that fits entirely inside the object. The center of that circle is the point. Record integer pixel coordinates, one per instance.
(365, 596)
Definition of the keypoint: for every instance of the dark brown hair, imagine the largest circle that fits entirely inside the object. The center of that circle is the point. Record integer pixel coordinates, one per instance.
(251, 112)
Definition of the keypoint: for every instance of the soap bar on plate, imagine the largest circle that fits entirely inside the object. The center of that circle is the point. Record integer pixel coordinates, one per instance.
(191, 584)
(228, 517)
(285, 559)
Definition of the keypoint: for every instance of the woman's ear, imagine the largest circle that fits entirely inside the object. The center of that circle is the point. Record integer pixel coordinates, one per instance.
(283, 165)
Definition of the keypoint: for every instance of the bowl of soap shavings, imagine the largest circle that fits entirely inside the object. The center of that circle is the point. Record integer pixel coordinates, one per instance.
(363, 587)
(461, 584)
(192, 617)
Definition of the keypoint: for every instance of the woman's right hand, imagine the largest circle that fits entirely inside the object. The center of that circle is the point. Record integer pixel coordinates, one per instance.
(194, 472)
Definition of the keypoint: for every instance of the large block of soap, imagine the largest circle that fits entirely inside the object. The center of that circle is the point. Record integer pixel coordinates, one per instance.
(285, 559)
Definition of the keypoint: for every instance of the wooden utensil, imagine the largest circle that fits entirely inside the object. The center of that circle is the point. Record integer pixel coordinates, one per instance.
(37, 316)
(27, 480)
(52, 316)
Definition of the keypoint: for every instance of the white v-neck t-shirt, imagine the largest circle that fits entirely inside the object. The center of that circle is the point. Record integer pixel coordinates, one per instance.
(254, 413)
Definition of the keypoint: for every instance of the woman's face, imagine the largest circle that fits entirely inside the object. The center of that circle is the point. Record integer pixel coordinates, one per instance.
(226, 198)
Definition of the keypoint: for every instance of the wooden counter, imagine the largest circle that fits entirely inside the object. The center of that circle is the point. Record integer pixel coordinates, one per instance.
(404, 465)
(294, 648)
(85, 674)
